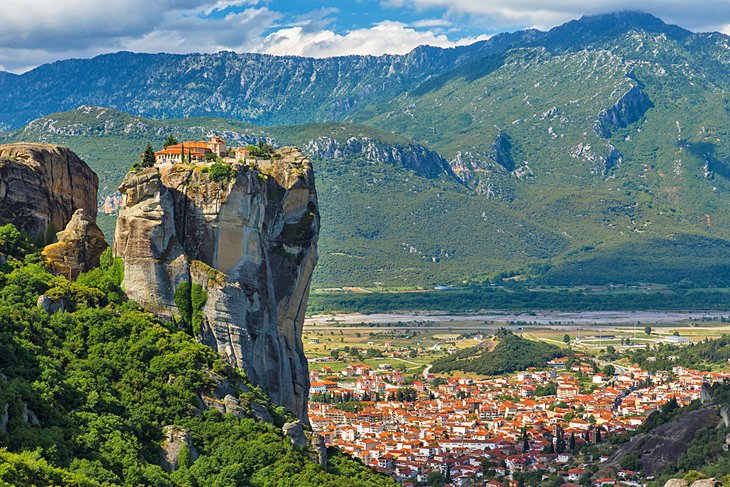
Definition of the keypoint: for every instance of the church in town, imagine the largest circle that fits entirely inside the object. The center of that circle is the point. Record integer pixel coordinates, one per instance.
(200, 151)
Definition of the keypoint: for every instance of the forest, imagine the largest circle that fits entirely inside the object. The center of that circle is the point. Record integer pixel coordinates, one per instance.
(89, 383)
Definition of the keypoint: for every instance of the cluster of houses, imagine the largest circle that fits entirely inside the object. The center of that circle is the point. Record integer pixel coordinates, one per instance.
(200, 151)
(482, 432)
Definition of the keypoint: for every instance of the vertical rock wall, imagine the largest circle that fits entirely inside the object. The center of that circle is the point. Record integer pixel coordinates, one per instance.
(248, 240)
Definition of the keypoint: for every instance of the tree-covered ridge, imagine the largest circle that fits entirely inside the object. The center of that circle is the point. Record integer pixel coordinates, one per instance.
(512, 353)
(90, 387)
(701, 355)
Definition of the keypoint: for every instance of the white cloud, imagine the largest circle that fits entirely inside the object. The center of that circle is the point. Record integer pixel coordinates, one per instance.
(432, 23)
(699, 15)
(383, 38)
(40, 31)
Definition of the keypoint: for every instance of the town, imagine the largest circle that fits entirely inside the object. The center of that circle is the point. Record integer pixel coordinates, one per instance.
(496, 431)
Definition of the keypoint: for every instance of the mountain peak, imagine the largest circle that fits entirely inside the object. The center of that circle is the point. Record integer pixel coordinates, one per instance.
(592, 29)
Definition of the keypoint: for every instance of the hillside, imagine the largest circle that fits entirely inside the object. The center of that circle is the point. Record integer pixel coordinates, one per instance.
(681, 442)
(375, 191)
(106, 394)
(611, 130)
(512, 353)
(591, 154)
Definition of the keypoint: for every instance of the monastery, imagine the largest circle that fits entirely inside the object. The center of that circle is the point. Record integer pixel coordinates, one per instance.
(200, 151)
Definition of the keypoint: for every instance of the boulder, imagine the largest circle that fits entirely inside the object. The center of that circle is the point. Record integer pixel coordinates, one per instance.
(676, 483)
(50, 305)
(261, 413)
(705, 483)
(78, 247)
(41, 186)
(295, 432)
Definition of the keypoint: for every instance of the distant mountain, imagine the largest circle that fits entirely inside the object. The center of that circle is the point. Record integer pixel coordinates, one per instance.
(597, 152)
(257, 88)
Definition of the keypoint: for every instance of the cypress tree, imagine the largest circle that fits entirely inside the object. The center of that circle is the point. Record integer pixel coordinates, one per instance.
(148, 157)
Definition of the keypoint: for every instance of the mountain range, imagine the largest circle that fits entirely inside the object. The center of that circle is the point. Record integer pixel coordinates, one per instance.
(593, 153)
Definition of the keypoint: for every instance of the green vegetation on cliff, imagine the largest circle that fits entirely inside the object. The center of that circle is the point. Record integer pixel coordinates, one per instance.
(512, 353)
(86, 391)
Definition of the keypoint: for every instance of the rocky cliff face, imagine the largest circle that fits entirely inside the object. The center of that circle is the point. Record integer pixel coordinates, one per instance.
(42, 185)
(233, 255)
(627, 110)
(415, 157)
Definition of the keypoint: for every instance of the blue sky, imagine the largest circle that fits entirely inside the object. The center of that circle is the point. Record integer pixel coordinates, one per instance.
(40, 31)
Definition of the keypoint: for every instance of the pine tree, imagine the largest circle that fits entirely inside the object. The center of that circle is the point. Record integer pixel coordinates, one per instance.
(572, 441)
(171, 140)
(147, 159)
(598, 435)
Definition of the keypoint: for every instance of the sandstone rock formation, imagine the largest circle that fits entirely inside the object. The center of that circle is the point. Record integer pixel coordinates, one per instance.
(176, 439)
(313, 442)
(50, 305)
(245, 241)
(705, 483)
(41, 186)
(78, 247)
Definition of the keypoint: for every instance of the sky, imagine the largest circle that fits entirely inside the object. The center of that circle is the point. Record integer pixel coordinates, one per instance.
(40, 31)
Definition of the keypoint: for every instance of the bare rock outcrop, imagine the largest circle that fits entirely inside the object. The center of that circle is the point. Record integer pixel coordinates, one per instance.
(309, 440)
(705, 483)
(676, 483)
(176, 441)
(295, 432)
(42, 185)
(50, 305)
(245, 241)
(78, 247)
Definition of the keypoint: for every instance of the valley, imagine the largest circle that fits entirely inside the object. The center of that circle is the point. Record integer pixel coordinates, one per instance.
(504, 263)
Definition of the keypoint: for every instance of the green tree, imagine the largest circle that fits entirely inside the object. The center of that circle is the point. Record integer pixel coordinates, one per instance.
(609, 370)
(566, 338)
(630, 461)
(435, 479)
(185, 458)
(171, 140)
(183, 301)
(147, 159)
(647, 330)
